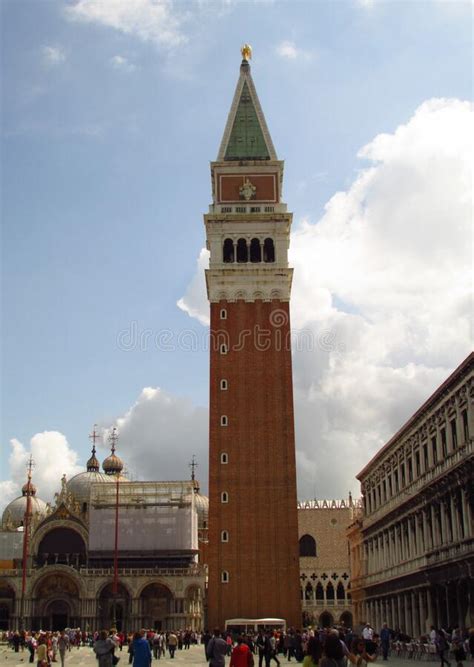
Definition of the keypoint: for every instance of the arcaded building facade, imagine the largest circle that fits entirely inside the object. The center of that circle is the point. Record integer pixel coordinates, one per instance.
(412, 551)
(325, 575)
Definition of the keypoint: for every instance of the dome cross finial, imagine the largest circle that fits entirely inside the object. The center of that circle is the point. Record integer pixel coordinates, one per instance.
(193, 465)
(113, 438)
(94, 436)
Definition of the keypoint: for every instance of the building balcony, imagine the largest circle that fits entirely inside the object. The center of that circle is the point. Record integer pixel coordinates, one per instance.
(313, 604)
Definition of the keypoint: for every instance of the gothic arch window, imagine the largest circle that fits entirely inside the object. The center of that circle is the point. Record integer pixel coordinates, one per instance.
(340, 592)
(329, 591)
(224, 497)
(224, 385)
(268, 251)
(225, 577)
(228, 251)
(307, 546)
(224, 458)
(255, 251)
(223, 314)
(224, 536)
(242, 251)
(224, 420)
(319, 591)
(308, 593)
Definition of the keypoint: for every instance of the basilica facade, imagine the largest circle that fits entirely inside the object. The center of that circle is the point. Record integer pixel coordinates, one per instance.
(77, 575)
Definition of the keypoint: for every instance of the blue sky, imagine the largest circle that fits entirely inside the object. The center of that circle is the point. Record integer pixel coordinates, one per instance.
(109, 123)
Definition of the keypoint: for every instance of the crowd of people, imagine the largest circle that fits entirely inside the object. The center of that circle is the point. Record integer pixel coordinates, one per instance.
(329, 647)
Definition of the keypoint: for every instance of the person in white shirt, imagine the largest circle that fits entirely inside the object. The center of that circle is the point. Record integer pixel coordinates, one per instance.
(368, 633)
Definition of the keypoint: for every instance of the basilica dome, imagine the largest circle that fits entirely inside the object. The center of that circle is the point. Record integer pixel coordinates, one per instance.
(80, 484)
(201, 503)
(14, 513)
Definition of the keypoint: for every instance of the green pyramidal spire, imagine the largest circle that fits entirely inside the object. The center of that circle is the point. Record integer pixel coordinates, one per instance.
(246, 141)
(246, 136)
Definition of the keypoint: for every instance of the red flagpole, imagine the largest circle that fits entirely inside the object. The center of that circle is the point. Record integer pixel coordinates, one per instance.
(115, 584)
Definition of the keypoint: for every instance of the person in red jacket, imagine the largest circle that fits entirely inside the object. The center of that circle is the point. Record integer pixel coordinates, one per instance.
(241, 655)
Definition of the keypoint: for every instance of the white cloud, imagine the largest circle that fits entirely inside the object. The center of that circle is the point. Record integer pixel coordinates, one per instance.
(122, 63)
(52, 455)
(159, 434)
(290, 51)
(149, 20)
(53, 55)
(382, 281)
(194, 302)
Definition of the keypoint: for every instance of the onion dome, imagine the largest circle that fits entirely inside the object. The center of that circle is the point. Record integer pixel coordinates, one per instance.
(28, 489)
(112, 465)
(93, 464)
(14, 513)
(201, 503)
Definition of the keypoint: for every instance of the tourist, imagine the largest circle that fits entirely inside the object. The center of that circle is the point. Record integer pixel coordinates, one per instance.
(141, 650)
(359, 655)
(172, 644)
(314, 652)
(333, 653)
(458, 650)
(273, 648)
(441, 647)
(31, 645)
(385, 640)
(42, 652)
(63, 645)
(241, 655)
(216, 650)
(104, 649)
(260, 643)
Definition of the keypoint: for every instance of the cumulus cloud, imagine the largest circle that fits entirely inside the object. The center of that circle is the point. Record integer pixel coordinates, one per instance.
(52, 456)
(159, 434)
(194, 302)
(53, 55)
(150, 20)
(122, 63)
(382, 284)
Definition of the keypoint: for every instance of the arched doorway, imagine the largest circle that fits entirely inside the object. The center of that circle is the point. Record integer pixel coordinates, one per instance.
(157, 605)
(7, 605)
(326, 620)
(114, 610)
(58, 612)
(56, 602)
(62, 545)
(346, 619)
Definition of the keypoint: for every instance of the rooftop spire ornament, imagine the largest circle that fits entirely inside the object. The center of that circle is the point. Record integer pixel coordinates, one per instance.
(193, 465)
(94, 436)
(113, 437)
(246, 52)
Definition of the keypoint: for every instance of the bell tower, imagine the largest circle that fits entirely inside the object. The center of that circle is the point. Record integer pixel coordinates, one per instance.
(253, 533)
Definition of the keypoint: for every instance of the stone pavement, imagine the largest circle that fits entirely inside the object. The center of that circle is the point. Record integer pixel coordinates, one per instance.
(84, 657)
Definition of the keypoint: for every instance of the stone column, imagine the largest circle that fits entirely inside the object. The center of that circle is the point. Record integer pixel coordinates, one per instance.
(430, 610)
(407, 628)
(393, 622)
(466, 513)
(399, 612)
(454, 519)
(415, 616)
(422, 608)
